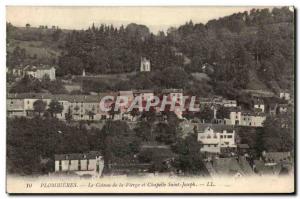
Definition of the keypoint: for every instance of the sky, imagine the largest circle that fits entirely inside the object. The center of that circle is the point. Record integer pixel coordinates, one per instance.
(156, 18)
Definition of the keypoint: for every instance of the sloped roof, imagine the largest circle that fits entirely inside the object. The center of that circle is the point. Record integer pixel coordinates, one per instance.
(77, 156)
(216, 127)
(38, 67)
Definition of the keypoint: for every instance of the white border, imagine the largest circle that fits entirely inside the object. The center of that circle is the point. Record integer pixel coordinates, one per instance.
(3, 3)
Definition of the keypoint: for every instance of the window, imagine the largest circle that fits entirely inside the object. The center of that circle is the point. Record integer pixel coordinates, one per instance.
(87, 164)
(59, 166)
(229, 136)
(79, 165)
(11, 102)
(28, 102)
(221, 136)
(69, 162)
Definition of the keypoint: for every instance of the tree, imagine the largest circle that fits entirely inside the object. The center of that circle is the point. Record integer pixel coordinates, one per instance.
(39, 106)
(206, 114)
(275, 137)
(165, 133)
(223, 112)
(189, 158)
(55, 108)
(144, 131)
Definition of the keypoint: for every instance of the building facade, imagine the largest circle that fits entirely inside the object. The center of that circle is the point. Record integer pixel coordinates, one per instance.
(145, 65)
(214, 139)
(90, 163)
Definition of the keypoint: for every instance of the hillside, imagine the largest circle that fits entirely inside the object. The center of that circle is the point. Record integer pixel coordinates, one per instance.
(250, 50)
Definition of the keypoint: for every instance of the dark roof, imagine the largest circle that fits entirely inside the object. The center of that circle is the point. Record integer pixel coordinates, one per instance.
(243, 146)
(77, 156)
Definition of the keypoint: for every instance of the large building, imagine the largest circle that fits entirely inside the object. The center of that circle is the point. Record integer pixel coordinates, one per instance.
(243, 118)
(38, 72)
(90, 163)
(216, 138)
(81, 107)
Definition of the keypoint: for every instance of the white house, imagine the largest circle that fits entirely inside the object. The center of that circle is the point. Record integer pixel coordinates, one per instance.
(40, 71)
(239, 118)
(91, 163)
(259, 105)
(229, 103)
(145, 65)
(283, 94)
(216, 138)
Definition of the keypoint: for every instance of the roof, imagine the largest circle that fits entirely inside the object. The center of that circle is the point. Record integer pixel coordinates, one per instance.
(253, 113)
(243, 146)
(125, 93)
(172, 90)
(216, 127)
(38, 67)
(77, 156)
(258, 101)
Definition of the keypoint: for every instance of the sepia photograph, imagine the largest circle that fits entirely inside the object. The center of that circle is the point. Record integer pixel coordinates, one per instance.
(150, 99)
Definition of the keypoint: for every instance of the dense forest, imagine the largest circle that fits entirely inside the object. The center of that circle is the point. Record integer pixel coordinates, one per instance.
(249, 50)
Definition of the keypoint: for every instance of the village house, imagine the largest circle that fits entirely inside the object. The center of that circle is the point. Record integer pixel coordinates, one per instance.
(283, 108)
(259, 105)
(40, 71)
(229, 103)
(284, 94)
(243, 118)
(216, 138)
(252, 119)
(91, 163)
(273, 163)
(81, 107)
(145, 65)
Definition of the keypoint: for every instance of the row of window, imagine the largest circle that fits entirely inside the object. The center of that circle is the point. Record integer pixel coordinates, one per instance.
(79, 164)
(215, 137)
